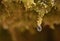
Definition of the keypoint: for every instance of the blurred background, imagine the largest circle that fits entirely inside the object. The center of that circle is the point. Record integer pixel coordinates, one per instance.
(26, 31)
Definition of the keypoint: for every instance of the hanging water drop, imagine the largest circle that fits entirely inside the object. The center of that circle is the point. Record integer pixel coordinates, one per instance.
(39, 28)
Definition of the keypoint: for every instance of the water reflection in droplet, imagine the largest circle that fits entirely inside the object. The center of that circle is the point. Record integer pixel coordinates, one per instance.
(39, 28)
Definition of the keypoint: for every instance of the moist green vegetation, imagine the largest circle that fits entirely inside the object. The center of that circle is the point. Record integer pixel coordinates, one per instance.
(16, 14)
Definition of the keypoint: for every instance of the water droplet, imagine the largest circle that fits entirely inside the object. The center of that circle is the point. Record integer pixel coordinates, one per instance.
(39, 28)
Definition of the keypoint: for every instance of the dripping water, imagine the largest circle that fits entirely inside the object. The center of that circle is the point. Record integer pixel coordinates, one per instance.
(39, 28)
